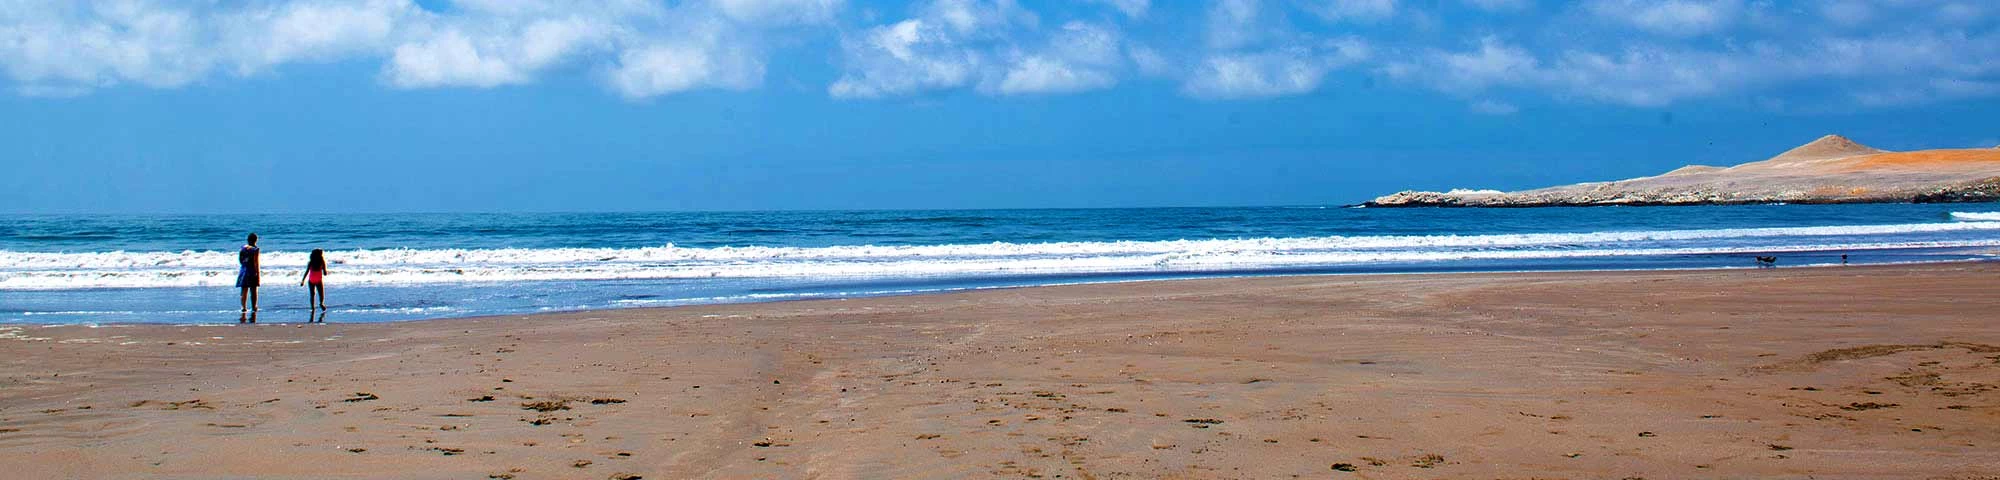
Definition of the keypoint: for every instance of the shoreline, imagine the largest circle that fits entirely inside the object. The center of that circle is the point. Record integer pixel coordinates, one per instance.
(1110, 281)
(1857, 372)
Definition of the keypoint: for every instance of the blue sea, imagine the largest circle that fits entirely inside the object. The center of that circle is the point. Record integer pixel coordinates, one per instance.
(101, 269)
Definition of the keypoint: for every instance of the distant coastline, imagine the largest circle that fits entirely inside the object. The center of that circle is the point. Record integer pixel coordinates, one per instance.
(1830, 170)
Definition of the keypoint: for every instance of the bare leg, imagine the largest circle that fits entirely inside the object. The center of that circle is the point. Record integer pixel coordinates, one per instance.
(253, 299)
(243, 300)
(321, 290)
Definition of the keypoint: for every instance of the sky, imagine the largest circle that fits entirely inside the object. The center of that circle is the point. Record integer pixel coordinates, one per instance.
(629, 105)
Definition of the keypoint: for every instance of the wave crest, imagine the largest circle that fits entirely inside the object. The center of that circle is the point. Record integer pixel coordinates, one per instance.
(44, 271)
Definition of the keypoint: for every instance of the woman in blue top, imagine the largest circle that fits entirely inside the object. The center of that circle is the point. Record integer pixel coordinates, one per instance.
(246, 275)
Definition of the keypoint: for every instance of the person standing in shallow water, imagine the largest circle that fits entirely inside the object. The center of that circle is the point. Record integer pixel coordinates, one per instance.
(246, 275)
(314, 279)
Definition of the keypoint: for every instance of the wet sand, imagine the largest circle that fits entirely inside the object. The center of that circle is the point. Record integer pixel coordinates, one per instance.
(1862, 372)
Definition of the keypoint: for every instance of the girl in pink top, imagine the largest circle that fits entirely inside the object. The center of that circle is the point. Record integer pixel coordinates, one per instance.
(315, 280)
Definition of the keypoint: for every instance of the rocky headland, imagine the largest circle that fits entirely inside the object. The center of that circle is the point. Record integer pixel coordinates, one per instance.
(1831, 169)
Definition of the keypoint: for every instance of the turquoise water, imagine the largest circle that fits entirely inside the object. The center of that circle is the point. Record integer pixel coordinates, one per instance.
(179, 269)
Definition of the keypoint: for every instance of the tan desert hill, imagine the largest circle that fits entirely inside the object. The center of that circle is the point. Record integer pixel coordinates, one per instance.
(1832, 169)
(1826, 147)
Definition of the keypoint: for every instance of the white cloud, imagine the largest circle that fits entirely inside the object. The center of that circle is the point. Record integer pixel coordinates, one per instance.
(1963, 13)
(549, 40)
(1926, 92)
(1264, 74)
(1279, 71)
(1880, 70)
(1233, 24)
(1493, 62)
(1637, 76)
(1355, 10)
(1670, 17)
(60, 48)
(1644, 76)
(662, 69)
(449, 58)
(1501, 5)
(643, 49)
(1131, 8)
(974, 17)
(1254, 52)
(504, 55)
(908, 56)
(313, 31)
(1148, 60)
(780, 12)
(1080, 57)
(1864, 52)
(64, 48)
(994, 48)
(1039, 74)
(1847, 12)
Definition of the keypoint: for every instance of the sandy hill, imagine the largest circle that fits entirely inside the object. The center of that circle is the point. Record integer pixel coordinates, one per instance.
(1831, 169)
(1827, 147)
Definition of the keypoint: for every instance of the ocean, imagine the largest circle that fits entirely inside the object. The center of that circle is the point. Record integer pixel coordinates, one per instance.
(106, 269)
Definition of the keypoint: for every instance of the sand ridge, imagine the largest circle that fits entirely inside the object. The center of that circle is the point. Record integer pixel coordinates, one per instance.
(1863, 372)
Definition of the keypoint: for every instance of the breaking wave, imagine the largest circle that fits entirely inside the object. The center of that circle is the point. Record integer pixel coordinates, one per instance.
(45, 271)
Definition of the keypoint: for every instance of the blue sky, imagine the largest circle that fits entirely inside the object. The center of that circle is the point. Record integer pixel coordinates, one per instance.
(488, 105)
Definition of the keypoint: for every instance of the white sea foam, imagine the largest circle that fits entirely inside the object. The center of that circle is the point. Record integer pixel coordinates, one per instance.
(1976, 216)
(42, 271)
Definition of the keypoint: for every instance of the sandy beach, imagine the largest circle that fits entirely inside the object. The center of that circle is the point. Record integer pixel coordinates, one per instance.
(1862, 372)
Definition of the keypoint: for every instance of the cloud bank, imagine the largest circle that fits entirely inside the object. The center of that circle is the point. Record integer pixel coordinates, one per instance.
(1494, 54)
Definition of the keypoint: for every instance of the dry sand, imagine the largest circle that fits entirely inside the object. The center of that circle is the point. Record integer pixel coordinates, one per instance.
(1864, 372)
